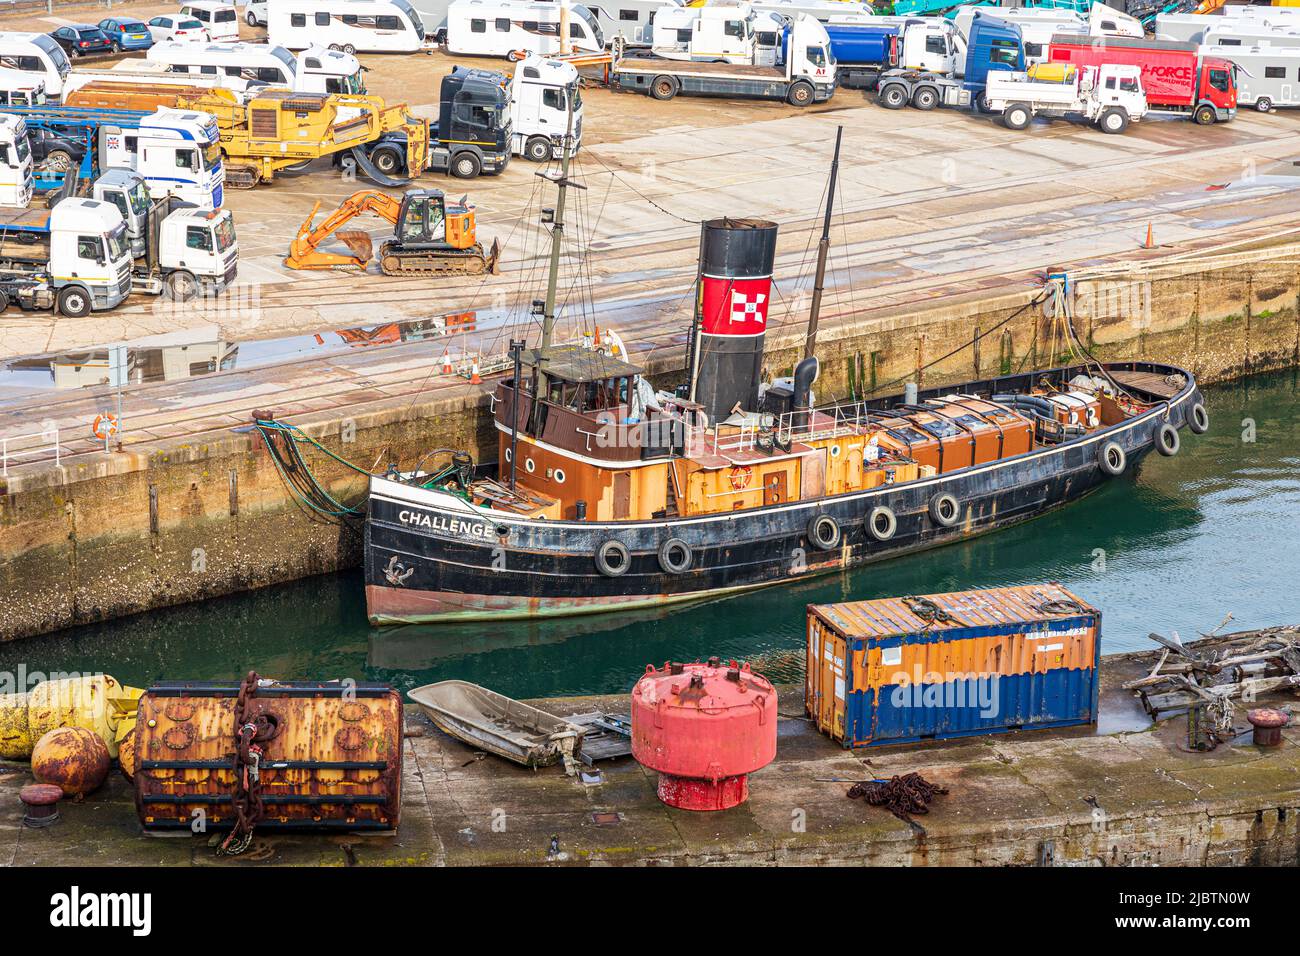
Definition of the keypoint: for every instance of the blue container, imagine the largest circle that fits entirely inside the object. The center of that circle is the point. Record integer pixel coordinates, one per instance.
(860, 44)
(900, 670)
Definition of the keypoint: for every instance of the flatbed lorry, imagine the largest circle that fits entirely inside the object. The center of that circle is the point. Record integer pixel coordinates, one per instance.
(1109, 97)
(78, 251)
(805, 72)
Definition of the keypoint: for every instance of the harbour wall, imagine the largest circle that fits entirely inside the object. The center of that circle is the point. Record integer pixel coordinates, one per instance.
(106, 536)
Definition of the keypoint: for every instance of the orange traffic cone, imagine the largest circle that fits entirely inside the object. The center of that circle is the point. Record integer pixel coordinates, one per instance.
(1151, 237)
(473, 374)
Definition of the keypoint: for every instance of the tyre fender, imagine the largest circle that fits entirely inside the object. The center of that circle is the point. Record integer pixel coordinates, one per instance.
(613, 558)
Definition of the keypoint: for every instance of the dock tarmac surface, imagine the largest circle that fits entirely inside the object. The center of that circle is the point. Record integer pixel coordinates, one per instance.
(1127, 794)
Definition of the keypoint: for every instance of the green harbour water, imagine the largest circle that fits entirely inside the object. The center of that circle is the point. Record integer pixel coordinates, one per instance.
(1188, 540)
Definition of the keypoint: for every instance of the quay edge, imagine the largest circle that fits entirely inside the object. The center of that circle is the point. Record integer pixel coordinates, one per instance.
(196, 517)
(1127, 795)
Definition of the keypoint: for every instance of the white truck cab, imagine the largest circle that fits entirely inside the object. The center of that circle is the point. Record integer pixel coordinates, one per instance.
(176, 151)
(180, 249)
(712, 34)
(541, 93)
(89, 257)
(15, 162)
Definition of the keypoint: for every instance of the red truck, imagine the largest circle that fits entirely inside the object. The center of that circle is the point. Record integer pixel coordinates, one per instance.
(1176, 78)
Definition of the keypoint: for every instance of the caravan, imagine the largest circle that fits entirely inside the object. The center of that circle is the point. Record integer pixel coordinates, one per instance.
(36, 55)
(352, 26)
(726, 33)
(633, 20)
(314, 70)
(513, 29)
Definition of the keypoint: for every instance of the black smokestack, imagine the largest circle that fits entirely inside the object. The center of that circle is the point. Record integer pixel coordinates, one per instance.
(736, 261)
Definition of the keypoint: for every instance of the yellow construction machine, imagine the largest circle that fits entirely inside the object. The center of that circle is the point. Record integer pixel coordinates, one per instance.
(431, 236)
(279, 129)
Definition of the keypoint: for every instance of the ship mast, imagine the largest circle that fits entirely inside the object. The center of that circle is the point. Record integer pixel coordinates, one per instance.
(557, 228)
(823, 247)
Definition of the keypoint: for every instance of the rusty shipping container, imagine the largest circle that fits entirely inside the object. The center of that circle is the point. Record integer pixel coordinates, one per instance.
(330, 754)
(899, 670)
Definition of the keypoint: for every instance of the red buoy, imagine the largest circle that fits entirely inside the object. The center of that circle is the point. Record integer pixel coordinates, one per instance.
(704, 728)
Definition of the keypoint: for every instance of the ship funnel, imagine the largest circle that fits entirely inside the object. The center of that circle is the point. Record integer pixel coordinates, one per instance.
(736, 259)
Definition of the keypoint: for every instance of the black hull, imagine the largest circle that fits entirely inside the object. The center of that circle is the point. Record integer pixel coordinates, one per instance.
(431, 557)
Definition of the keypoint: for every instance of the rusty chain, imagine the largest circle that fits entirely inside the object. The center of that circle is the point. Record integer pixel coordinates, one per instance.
(901, 796)
(251, 732)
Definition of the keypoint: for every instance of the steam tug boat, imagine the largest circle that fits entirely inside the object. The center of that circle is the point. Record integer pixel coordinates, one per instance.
(613, 495)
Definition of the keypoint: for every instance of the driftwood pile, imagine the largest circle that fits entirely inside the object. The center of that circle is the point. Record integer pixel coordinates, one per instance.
(1213, 672)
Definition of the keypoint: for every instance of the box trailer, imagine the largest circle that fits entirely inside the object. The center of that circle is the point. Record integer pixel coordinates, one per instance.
(902, 670)
(1176, 76)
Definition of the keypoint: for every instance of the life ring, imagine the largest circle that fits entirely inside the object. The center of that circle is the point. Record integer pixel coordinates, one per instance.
(945, 510)
(613, 558)
(675, 556)
(824, 532)
(741, 475)
(1111, 458)
(1198, 419)
(882, 522)
(1167, 442)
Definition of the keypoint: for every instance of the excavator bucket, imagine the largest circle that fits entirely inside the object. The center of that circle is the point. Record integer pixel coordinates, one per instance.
(359, 243)
(494, 258)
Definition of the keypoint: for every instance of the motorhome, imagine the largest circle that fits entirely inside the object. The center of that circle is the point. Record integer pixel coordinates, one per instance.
(541, 95)
(352, 26)
(1245, 34)
(633, 20)
(315, 70)
(1267, 76)
(513, 29)
(38, 56)
(827, 11)
(221, 20)
(21, 89)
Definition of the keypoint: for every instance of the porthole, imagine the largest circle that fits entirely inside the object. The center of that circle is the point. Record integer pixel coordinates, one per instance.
(835, 451)
(529, 466)
(559, 476)
(509, 456)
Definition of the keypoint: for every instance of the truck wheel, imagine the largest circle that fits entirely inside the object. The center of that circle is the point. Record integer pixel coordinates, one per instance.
(465, 166)
(58, 161)
(893, 97)
(388, 160)
(1017, 116)
(73, 301)
(982, 104)
(537, 149)
(1204, 116)
(181, 286)
(250, 19)
(663, 87)
(1113, 121)
(925, 98)
(801, 94)
(4, 301)
(1264, 104)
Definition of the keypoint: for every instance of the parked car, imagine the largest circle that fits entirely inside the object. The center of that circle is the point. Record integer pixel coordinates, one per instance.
(78, 39)
(126, 33)
(177, 30)
(255, 13)
(53, 151)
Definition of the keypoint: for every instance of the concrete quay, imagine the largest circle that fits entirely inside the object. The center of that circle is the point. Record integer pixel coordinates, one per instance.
(1127, 794)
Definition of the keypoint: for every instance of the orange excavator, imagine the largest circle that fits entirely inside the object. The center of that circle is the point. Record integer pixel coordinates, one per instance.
(431, 236)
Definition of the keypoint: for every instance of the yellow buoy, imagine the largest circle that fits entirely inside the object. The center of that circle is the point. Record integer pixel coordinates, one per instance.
(96, 702)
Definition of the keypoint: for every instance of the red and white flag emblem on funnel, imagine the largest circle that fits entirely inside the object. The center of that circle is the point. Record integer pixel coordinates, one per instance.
(735, 306)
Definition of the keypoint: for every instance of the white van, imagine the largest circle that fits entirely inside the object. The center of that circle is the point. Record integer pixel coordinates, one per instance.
(221, 20)
(352, 26)
(510, 28)
(316, 70)
(36, 55)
